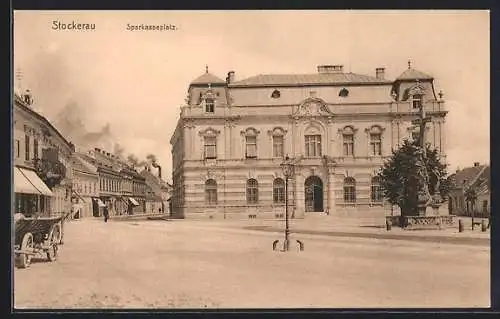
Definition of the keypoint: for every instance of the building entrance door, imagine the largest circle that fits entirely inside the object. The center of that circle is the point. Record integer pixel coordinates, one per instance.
(313, 188)
(95, 208)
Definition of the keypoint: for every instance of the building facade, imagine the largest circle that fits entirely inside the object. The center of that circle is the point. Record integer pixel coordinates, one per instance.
(337, 128)
(122, 190)
(154, 200)
(128, 201)
(139, 193)
(42, 162)
(477, 176)
(85, 187)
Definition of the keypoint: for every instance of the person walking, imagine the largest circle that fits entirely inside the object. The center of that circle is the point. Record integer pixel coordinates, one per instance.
(106, 214)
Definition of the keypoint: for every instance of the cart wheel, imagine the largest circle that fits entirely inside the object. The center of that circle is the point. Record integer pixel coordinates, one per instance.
(54, 239)
(24, 260)
(60, 233)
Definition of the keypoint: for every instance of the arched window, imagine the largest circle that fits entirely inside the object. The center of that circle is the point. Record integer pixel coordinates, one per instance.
(211, 192)
(279, 191)
(349, 190)
(276, 94)
(344, 92)
(376, 190)
(252, 191)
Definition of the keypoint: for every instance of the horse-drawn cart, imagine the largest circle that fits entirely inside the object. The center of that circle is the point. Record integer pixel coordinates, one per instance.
(37, 236)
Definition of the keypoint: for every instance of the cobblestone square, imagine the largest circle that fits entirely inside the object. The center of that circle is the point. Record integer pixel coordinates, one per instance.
(212, 264)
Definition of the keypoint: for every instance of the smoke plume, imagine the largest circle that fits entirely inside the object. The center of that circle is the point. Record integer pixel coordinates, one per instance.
(118, 150)
(132, 160)
(151, 158)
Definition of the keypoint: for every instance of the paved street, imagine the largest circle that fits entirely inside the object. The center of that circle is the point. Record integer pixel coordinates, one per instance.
(186, 264)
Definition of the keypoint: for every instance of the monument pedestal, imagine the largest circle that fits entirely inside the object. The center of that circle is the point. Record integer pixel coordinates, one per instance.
(427, 216)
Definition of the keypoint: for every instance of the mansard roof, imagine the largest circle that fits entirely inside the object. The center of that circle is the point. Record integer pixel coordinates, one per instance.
(208, 78)
(413, 74)
(308, 79)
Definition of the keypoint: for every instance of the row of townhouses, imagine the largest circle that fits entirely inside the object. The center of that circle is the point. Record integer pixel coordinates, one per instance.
(52, 176)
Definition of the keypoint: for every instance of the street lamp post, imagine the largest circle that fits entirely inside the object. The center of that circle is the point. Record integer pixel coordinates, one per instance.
(288, 170)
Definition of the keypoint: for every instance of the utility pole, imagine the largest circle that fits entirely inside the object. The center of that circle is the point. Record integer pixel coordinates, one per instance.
(19, 77)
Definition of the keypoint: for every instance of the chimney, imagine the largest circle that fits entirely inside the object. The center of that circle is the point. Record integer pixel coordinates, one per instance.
(230, 77)
(476, 164)
(159, 169)
(330, 68)
(380, 73)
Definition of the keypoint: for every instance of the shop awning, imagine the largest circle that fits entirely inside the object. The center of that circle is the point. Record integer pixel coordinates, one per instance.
(133, 201)
(37, 183)
(78, 195)
(99, 202)
(22, 184)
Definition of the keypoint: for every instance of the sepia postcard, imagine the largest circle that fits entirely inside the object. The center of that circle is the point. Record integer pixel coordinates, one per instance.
(251, 159)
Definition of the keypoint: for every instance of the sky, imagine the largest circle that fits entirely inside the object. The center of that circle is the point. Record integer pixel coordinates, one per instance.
(129, 85)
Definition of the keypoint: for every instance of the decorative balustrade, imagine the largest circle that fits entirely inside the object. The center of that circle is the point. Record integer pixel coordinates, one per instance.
(414, 222)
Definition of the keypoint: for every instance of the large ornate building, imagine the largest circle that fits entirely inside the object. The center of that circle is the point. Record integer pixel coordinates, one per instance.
(337, 127)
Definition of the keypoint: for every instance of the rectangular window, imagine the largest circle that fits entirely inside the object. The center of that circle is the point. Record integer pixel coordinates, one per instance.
(17, 151)
(251, 146)
(279, 194)
(209, 105)
(376, 193)
(349, 194)
(35, 148)
(348, 144)
(278, 146)
(417, 101)
(27, 147)
(252, 196)
(210, 147)
(313, 145)
(211, 198)
(376, 144)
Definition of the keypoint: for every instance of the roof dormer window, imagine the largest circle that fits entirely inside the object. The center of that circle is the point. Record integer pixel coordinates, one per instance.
(344, 92)
(209, 105)
(417, 101)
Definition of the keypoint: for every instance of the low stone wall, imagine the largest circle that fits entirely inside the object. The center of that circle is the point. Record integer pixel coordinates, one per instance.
(237, 216)
(139, 217)
(413, 222)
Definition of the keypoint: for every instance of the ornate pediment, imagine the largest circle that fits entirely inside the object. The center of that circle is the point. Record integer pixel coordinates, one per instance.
(312, 107)
(209, 131)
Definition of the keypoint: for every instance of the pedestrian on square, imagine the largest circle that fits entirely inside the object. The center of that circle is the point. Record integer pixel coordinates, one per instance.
(106, 214)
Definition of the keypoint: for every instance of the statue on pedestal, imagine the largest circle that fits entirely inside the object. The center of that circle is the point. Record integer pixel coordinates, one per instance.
(423, 193)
